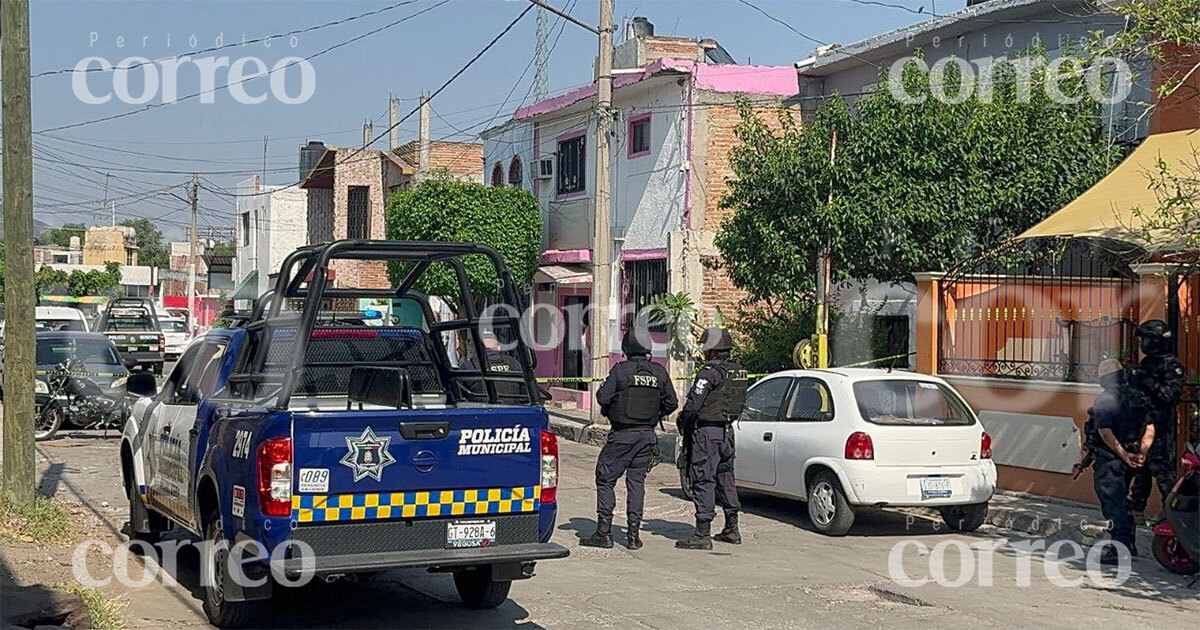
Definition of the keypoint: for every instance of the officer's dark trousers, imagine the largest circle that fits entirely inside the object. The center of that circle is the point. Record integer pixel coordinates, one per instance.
(1111, 479)
(628, 452)
(712, 471)
(1159, 466)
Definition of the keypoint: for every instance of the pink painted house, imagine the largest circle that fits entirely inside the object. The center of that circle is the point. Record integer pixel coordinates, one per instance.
(675, 115)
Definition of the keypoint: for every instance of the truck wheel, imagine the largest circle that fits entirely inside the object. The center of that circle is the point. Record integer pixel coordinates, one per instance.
(221, 613)
(965, 518)
(478, 590)
(828, 509)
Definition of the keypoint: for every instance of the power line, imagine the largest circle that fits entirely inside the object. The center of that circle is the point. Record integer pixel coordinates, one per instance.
(243, 42)
(150, 106)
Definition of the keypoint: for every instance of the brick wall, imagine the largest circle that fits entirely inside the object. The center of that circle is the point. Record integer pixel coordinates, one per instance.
(719, 139)
(463, 160)
(364, 169)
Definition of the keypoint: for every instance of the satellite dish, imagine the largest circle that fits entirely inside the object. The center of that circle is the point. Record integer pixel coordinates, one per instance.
(802, 354)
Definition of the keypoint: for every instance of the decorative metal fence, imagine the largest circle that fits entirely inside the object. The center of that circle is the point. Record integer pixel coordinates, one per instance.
(1043, 309)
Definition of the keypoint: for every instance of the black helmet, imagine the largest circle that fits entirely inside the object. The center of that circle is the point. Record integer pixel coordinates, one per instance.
(1154, 329)
(716, 339)
(631, 344)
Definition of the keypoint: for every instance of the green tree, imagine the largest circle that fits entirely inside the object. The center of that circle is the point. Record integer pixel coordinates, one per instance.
(107, 282)
(508, 219)
(151, 251)
(62, 236)
(1164, 31)
(915, 185)
(223, 248)
(48, 280)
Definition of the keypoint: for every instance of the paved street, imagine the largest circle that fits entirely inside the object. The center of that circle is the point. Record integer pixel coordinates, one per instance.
(784, 576)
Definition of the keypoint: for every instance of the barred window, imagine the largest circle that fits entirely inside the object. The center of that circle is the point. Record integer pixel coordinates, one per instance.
(358, 212)
(514, 173)
(497, 176)
(572, 165)
(647, 279)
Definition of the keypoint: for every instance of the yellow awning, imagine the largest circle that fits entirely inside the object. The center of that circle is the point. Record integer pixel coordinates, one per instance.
(1106, 210)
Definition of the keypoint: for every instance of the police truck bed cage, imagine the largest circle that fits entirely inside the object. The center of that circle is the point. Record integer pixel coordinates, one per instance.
(299, 353)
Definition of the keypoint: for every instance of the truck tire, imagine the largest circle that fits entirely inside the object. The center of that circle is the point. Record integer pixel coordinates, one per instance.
(965, 518)
(831, 514)
(221, 613)
(158, 368)
(478, 590)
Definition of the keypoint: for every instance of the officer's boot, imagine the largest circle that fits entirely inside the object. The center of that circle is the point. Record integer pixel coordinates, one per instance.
(730, 534)
(699, 540)
(633, 538)
(603, 536)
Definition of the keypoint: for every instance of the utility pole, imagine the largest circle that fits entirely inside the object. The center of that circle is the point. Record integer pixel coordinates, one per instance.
(825, 275)
(394, 122)
(112, 208)
(17, 432)
(368, 134)
(423, 140)
(193, 195)
(601, 241)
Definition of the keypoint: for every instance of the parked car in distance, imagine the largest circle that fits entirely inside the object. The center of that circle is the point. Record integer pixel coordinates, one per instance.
(57, 318)
(839, 439)
(176, 334)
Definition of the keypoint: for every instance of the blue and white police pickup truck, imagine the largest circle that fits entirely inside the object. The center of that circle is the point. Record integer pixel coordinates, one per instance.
(331, 448)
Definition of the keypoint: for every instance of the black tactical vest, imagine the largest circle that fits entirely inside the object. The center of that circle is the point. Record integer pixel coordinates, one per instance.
(733, 390)
(642, 398)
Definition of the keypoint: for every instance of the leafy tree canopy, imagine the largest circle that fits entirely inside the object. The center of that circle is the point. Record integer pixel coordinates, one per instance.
(443, 210)
(61, 236)
(914, 186)
(151, 251)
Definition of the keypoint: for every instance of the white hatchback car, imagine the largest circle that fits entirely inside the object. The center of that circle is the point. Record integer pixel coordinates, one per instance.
(842, 438)
(175, 334)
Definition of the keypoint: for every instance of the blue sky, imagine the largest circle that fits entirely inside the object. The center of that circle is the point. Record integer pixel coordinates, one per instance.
(352, 83)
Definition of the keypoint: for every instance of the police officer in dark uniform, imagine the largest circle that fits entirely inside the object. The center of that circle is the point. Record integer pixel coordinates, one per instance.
(635, 397)
(713, 403)
(1118, 434)
(499, 362)
(1159, 377)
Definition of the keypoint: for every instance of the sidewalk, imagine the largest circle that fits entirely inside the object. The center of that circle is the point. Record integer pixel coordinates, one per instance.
(1022, 514)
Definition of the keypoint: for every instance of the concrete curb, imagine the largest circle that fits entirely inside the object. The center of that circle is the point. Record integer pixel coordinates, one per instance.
(1027, 515)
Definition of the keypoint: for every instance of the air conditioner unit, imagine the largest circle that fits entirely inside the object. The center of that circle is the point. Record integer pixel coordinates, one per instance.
(545, 168)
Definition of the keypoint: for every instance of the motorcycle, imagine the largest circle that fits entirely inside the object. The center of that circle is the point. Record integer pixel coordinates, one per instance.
(65, 394)
(1177, 536)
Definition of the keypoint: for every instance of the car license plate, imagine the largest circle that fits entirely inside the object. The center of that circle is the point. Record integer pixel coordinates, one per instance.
(153, 348)
(470, 534)
(935, 487)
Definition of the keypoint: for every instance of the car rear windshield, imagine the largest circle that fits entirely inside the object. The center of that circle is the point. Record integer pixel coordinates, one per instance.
(918, 403)
(174, 326)
(74, 325)
(90, 351)
(130, 320)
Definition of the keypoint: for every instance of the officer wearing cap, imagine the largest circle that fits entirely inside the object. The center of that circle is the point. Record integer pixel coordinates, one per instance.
(635, 397)
(1118, 435)
(1159, 377)
(713, 403)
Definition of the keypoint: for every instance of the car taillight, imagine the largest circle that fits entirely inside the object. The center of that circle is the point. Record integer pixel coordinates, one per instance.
(985, 446)
(858, 446)
(549, 467)
(275, 476)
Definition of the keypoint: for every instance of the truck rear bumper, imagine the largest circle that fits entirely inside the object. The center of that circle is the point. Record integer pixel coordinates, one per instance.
(426, 559)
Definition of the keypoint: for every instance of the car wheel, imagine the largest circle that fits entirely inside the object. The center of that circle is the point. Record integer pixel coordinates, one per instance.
(965, 518)
(47, 419)
(478, 590)
(828, 509)
(220, 612)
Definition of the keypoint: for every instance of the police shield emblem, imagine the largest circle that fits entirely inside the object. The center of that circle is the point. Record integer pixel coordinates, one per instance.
(368, 455)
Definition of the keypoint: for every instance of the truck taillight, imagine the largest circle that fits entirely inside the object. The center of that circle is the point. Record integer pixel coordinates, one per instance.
(985, 446)
(859, 446)
(549, 467)
(275, 476)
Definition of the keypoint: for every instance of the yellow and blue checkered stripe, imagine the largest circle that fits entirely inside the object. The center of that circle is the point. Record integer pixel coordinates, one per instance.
(315, 508)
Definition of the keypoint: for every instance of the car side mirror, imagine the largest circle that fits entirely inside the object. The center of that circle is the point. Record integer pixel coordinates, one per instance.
(141, 384)
(545, 394)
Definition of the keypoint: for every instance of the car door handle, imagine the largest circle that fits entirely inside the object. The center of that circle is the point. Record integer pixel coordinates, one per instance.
(768, 436)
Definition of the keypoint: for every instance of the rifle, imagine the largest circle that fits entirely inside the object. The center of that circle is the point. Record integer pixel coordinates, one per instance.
(1082, 465)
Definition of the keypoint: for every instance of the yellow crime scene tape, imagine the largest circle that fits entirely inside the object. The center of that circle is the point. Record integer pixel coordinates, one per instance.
(596, 379)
